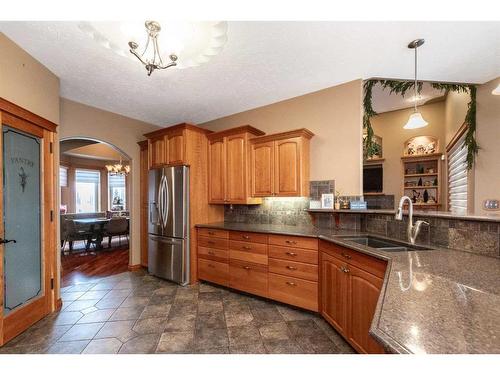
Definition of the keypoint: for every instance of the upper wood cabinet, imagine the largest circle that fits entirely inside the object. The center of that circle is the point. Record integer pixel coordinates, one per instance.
(280, 164)
(168, 146)
(229, 169)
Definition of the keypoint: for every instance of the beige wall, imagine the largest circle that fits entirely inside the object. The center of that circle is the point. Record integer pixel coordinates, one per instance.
(26, 82)
(79, 120)
(456, 106)
(333, 115)
(389, 126)
(487, 168)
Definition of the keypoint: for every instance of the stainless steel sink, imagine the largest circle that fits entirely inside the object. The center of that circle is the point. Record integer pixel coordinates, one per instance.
(381, 243)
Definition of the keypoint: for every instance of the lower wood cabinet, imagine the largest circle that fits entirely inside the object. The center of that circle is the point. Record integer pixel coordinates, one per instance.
(350, 286)
(216, 272)
(248, 277)
(294, 291)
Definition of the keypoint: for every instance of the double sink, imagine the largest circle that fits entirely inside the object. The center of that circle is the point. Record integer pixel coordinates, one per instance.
(381, 243)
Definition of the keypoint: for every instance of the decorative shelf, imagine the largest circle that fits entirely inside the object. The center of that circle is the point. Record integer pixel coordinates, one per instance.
(421, 175)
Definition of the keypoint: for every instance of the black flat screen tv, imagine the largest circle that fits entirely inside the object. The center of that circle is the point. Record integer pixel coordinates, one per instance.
(373, 178)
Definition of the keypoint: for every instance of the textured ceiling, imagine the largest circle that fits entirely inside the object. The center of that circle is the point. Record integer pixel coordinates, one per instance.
(262, 62)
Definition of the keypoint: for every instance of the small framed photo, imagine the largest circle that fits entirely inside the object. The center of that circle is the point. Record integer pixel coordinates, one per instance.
(327, 201)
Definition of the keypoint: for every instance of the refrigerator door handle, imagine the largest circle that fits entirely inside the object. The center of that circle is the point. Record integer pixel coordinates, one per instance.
(160, 202)
(167, 202)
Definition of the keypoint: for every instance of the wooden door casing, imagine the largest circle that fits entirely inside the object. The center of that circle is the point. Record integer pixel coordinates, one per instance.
(334, 293)
(216, 171)
(364, 290)
(144, 173)
(262, 169)
(28, 314)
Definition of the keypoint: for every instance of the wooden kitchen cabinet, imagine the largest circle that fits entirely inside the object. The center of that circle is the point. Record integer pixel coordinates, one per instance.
(280, 164)
(350, 287)
(167, 146)
(228, 163)
(156, 152)
(175, 141)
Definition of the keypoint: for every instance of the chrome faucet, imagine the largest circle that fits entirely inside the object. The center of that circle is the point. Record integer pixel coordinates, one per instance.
(413, 230)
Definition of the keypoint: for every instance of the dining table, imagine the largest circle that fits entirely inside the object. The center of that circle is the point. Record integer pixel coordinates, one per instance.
(96, 230)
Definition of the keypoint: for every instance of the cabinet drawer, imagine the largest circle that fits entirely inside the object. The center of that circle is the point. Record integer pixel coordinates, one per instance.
(248, 277)
(248, 237)
(214, 243)
(248, 252)
(290, 253)
(366, 262)
(294, 241)
(209, 232)
(213, 254)
(294, 291)
(294, 269)
(213, 271)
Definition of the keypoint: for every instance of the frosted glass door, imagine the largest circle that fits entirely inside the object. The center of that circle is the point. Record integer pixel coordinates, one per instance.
(22, 208)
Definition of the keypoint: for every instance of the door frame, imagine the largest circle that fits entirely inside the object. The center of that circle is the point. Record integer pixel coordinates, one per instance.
(19, 118)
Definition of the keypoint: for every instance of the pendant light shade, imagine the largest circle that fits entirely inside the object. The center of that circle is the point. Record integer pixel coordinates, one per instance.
(496, 91)
(415, 121)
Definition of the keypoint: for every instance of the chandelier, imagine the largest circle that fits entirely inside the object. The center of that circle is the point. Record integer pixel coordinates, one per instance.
(118, 169)
(150, 56)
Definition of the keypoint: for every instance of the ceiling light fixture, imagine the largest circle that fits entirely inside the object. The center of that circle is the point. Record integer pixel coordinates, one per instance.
(118, 169)
(150, 56)
(416, 120)
(496, 91)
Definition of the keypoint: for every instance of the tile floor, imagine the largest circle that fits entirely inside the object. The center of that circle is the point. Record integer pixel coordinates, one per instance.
(138, 313)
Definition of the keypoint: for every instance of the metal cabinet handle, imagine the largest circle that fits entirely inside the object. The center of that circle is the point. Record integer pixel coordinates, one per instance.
(247, 247)
(211, 265)
(344, 269)
(211, 233)
(291, 283)
(246, 267)
(211, 242)
(211, 252)
(291, 268)
(291, 254)
(6, 241)
(347, 256)
(246, 237)
(291, 242)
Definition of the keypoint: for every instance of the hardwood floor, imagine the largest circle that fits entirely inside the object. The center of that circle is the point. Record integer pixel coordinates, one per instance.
(82, 266)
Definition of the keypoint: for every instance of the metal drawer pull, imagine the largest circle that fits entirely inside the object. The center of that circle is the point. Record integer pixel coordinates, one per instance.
(211, 233)
(345, 270)
(347, 256)
(211, 252)
(291, 254)
(291, 242)
(246, 237)
(247, 247)
(291, 284)
(291, 268)
(246, 267)
(211, 265)
(211, 242)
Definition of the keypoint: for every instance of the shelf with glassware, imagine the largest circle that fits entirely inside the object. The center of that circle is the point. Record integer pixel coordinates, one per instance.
(421, 180)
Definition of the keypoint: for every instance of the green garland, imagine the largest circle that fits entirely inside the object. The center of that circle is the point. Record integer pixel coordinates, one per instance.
(401, 88)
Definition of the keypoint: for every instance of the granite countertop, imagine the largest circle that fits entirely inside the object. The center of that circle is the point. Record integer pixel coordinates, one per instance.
(432, 301)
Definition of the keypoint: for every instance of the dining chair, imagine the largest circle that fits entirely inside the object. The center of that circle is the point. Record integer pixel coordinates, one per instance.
(73, 232)
(117, 226)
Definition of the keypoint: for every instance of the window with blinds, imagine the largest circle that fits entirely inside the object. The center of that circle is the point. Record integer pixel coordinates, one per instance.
(87, 185)
(117, 193)
(458, 177)
(63, 176)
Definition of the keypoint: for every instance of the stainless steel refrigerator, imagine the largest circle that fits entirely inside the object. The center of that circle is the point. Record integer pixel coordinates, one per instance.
(168, 228)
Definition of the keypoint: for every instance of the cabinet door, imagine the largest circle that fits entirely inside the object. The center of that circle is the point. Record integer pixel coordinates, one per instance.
(236, 173)
(262, 169)
(364, 290)
(216, 171)
(287, 167)
(175, 147)
(157, 152)
(334, 289)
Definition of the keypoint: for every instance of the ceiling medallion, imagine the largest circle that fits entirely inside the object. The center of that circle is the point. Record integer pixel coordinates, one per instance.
(182, 44)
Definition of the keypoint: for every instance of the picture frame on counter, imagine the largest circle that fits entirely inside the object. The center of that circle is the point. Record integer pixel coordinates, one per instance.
(327, 201)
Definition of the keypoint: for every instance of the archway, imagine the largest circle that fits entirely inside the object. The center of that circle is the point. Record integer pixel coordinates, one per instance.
(95, 205)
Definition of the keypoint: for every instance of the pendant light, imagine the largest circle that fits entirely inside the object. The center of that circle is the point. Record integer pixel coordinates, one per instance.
(416, 120)
(496, 91)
